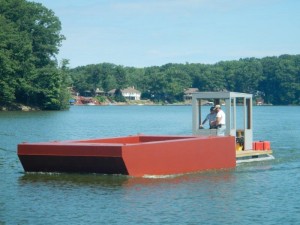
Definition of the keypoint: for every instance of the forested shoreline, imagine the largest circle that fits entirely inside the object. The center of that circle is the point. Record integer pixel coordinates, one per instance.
(30, 37)
(274, 79)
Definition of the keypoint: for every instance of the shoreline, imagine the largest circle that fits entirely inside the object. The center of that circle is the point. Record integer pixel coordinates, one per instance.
(26, 108)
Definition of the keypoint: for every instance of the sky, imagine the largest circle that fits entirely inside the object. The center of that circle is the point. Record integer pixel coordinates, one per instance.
(143, 33)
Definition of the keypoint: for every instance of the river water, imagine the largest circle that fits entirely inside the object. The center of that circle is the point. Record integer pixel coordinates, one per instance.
(264, 192)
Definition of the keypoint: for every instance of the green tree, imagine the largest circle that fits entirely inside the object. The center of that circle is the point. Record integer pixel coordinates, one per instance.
(66, 83)
(157, 84)
(109, 82)
(118, 97)
(29, 39)
(136, 78)
(120, 75)
(248, 75)
(176, 80)
(7, 65)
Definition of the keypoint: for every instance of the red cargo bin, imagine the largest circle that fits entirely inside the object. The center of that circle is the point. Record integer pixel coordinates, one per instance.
(258, 145)
(261, 145)
(267, 145)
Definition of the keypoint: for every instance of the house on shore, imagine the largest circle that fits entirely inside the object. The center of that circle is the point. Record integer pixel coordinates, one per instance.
(129, 93)
(188, 93)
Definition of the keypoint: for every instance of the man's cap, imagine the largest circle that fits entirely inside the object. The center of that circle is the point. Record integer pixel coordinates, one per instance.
(212, 108)
(217, 107)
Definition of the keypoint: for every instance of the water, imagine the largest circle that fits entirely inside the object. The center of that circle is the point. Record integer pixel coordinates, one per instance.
(264, 192)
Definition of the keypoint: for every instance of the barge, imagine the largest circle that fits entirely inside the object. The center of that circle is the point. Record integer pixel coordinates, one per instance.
(148, 155)
(138, 155)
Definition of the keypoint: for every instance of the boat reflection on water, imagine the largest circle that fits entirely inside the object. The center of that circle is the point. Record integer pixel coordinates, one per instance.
(115, 181)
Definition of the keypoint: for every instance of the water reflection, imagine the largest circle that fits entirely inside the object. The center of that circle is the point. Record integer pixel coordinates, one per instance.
(112, 181)
(74, 179)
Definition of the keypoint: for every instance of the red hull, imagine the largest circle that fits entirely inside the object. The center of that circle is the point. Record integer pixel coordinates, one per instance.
(133, 155)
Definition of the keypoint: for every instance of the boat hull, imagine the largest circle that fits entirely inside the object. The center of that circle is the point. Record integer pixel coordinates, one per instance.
(138, 155)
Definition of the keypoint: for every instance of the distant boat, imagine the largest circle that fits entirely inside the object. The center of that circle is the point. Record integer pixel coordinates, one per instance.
(91, 103)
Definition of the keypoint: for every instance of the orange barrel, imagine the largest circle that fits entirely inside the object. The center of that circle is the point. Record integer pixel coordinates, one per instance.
(267, 145)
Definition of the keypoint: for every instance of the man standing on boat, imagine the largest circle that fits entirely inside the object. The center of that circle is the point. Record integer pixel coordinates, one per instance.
(220, 121)
(211, 117)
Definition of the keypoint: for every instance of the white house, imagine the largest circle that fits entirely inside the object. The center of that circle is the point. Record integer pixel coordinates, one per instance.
(131, 94)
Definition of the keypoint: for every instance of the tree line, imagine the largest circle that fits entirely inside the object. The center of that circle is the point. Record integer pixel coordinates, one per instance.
(30, 37)
(275, 79)
(29, 41)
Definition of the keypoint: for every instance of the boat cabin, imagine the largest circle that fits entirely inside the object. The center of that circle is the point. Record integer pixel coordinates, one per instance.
(237, 108)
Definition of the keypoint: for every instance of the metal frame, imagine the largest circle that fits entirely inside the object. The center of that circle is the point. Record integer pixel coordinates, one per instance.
(231, 101)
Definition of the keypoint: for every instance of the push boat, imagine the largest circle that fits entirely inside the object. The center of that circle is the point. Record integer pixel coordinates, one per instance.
(148, 155)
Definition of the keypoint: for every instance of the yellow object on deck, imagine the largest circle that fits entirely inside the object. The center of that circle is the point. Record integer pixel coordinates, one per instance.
(238, 147)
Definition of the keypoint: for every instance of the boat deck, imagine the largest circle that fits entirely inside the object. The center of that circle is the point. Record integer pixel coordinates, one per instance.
(252, 153)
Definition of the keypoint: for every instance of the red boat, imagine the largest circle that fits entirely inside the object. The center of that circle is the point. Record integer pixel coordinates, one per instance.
(133, 155)
(143, 155)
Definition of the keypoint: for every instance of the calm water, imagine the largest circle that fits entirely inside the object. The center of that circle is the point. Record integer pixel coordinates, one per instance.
(265, 192)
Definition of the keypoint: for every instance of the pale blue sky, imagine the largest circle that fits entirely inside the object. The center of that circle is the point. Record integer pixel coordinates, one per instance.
(143, 33)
